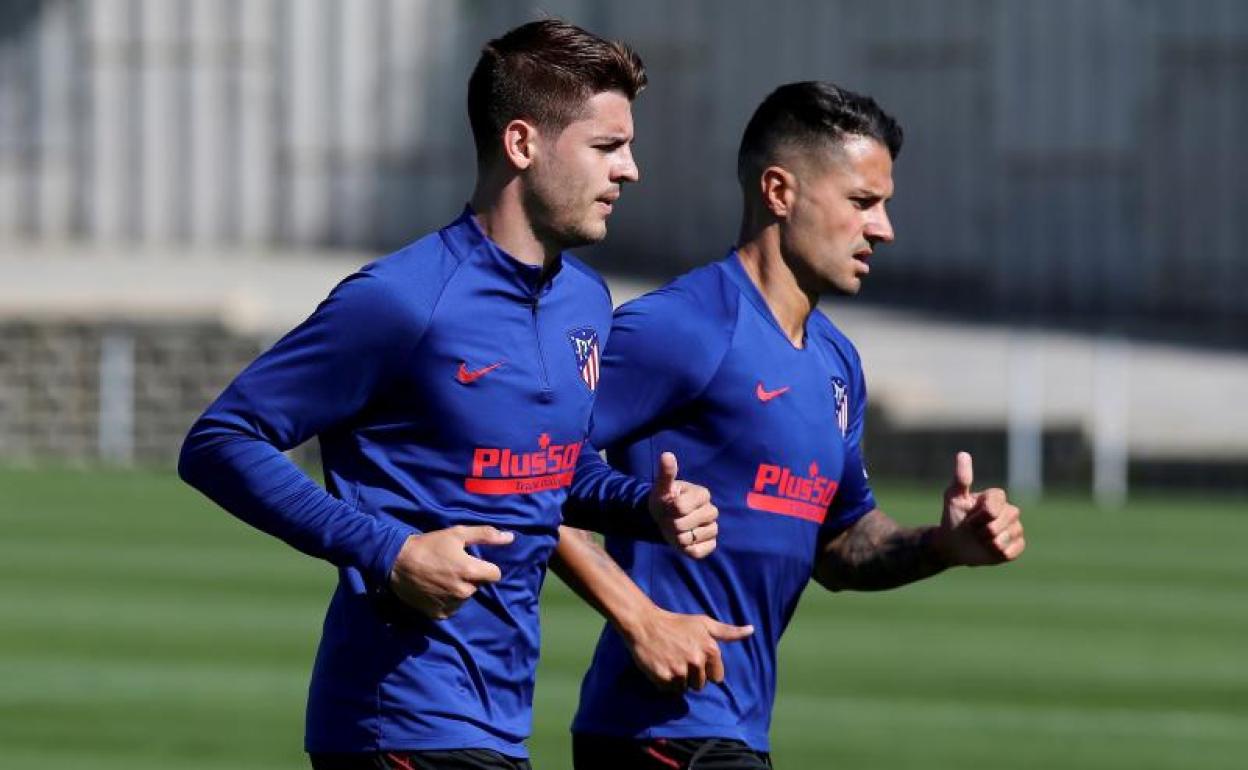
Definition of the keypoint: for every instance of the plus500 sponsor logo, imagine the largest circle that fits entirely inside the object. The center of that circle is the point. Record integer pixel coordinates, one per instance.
(778, 489)
(505, 471)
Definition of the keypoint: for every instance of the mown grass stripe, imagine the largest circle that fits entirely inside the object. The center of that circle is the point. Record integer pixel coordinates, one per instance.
(143, 628)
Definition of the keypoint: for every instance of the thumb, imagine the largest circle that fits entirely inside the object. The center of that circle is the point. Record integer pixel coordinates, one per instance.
(485, 535)
(726, 633)
(963, 475)
(665, 476)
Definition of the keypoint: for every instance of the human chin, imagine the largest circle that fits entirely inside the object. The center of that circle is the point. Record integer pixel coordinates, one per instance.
(589, 230)
(593, 229)
(851, 287)
(845, 284)
(593, 224)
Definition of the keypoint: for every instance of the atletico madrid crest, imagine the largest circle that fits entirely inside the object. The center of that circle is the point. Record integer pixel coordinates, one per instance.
(588, 356)
(840, 393)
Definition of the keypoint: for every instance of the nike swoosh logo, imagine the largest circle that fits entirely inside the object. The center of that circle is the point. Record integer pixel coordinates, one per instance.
(767, 395)
(468, 377)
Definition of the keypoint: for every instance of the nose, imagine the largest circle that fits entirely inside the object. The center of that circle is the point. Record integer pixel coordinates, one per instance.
(626, 169)
(879, 229)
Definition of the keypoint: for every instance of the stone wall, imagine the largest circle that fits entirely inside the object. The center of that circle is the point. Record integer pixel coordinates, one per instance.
(50, 378)
(50, 410)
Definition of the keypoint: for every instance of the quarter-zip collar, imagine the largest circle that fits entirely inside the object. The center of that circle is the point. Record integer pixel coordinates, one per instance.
(465, 238)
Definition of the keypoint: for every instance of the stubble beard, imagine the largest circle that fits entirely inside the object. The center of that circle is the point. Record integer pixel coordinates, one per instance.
(560, 218)
(849, 285)
(822, 280)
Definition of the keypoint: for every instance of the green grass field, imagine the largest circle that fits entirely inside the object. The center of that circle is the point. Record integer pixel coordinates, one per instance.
(141, 628)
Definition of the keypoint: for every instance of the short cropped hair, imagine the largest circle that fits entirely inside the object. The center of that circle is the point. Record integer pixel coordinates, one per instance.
(807, 115)
(544, 71)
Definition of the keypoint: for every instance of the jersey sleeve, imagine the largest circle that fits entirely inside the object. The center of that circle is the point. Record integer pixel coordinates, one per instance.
(854, 498)
(316, 377)
(662, 352)
(607, 501)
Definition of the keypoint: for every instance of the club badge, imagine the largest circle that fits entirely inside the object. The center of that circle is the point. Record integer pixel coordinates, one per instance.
(588, 355)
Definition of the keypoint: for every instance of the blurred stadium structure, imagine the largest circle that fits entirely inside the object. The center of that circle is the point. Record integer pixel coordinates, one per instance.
(182, 179)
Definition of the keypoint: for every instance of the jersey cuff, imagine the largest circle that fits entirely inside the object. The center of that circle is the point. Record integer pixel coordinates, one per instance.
(378, 570)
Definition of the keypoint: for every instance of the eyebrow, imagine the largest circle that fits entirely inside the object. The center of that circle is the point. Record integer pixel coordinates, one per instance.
(861, 192)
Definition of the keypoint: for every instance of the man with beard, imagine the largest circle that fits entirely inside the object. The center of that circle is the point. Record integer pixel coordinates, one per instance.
(734, 370)
(450, 385)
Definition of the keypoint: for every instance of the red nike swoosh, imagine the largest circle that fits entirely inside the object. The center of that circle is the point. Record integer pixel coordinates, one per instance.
(767, 395)
(468, 377)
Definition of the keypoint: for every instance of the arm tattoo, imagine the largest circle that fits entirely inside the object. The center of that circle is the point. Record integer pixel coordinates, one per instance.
(875, 554)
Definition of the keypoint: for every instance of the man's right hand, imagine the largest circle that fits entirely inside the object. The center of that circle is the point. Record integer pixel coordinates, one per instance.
(683, 510)
(678, 652)
(434, 573)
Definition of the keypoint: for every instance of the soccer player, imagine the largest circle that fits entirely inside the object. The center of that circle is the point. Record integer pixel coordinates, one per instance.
(734, 369)
(450, 385)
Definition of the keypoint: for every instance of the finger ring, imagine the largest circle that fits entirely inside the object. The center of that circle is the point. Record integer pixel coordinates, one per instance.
(693, 536)
(1005, 541)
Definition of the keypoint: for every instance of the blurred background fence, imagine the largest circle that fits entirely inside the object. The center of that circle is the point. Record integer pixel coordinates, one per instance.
(1069, 205)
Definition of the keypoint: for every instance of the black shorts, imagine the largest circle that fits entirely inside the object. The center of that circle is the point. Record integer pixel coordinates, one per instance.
(599, 752)
(455, 759)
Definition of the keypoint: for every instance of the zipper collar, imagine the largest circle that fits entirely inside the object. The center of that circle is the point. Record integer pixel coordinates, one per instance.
(465, 238)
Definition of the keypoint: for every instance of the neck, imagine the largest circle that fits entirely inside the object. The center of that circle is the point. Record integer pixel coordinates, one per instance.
(763, 259)
(501, 214)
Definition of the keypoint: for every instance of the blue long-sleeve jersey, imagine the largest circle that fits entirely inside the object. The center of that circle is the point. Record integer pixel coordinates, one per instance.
(702, 369)
(448, 384)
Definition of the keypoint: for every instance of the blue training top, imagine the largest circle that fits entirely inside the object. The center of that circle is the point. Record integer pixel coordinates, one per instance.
(448, 384)
(702, 369)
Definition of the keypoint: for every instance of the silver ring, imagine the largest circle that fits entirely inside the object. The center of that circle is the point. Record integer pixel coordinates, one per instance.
(693, 536)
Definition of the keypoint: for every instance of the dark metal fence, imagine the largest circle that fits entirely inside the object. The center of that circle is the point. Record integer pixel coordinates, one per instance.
(1067, 161)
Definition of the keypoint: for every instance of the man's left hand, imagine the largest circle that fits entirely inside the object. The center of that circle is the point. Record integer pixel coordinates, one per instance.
(978, 528)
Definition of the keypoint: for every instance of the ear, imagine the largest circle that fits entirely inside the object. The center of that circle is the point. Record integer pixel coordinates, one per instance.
(520, 138)
(779, 190)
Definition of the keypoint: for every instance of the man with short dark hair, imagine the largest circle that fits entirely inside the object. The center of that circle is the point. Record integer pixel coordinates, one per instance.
(734, 369)
(450, 385)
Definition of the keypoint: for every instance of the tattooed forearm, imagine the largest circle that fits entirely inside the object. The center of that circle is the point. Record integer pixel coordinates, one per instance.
(876, 554)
